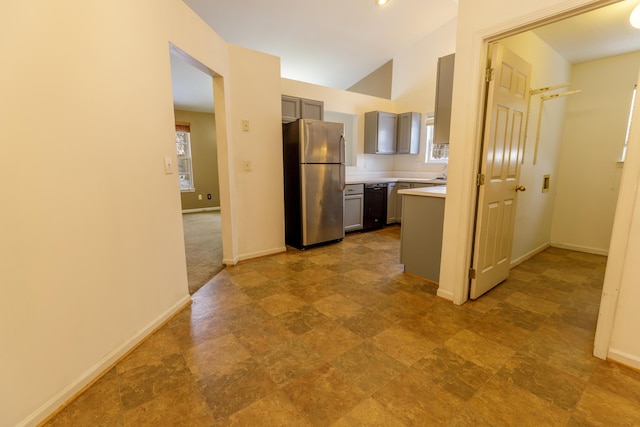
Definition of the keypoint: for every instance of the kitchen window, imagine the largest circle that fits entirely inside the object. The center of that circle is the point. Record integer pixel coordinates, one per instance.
(183, 149)
(436, 153)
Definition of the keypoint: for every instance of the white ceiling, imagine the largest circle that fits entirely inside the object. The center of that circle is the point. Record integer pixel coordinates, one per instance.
(336, 43)
(597, 34)
(331, 43)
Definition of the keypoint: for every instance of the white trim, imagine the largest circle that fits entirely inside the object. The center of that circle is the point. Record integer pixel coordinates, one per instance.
(97, 370)
(578, 248)
(262, 253)
(516, 262)
(188, 211)
(445, 294)
(252, 255)
(624, 358)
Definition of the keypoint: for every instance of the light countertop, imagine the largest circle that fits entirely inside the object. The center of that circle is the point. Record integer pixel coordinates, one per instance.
(438, 191)
(392, 179)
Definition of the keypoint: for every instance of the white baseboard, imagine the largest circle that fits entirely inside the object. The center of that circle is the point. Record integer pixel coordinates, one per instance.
(100, 368)
(445, 294)
(578, 248)
(186, 211)
(623, 358)
(252, 255)
(528, 255)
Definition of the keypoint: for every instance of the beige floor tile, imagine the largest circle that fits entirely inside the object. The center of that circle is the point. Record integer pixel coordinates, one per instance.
(547, 382)
(339, 334)
(274, 410)
(290, 360)
(479, 350)
(183, 406)
(601, 407)
(368, 367)
(216, 356)
(416, 401)
(330, 339)
(237, 388)
(505, 404)
(323, 395)
(403, 345)
(456, 375)
(368, 413)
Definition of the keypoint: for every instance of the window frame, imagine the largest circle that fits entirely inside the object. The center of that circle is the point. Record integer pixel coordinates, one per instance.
(186, 179)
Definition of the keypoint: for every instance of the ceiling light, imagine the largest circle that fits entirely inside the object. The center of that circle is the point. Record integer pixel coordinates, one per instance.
(381, 2)
(635, 17)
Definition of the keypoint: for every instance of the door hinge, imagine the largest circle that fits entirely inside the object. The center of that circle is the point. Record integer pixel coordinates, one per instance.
(480, 179)
(489, 74)
(472, 273)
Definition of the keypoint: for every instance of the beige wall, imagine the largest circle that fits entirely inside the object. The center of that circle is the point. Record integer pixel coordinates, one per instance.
(378, 83)
(85, 278)
(204, 153)
(594, 134)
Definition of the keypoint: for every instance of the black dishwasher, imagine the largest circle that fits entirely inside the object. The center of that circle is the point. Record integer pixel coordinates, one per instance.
(375, 206)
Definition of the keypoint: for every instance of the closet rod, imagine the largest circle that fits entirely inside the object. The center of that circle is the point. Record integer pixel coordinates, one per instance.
(542, 99)
(533, 92)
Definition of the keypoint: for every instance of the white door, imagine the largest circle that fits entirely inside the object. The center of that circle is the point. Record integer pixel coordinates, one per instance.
(507, 101)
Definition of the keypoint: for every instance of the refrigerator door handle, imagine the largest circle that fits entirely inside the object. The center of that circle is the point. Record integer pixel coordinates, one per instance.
(343, 178)
(343, 148)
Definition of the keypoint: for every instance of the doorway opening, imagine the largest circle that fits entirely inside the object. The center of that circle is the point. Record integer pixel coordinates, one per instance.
(568, 171)
(197, 152)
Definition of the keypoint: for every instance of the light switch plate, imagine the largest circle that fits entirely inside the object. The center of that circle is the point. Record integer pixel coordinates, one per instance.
(168, 165)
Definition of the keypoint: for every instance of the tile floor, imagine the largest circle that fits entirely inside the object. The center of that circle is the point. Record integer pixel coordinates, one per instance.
(340, 336)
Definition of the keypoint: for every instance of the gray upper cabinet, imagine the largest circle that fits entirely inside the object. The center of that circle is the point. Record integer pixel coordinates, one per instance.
(294, 108)
(310, 109)
(408, 140)
(389, 133)
(444, 91)
(380, 132)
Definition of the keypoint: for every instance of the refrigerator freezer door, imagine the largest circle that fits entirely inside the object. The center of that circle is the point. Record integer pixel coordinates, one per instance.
(322, 203)
(322, 142)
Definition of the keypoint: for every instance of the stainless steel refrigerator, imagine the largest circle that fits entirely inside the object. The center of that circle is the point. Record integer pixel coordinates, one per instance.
(314, 175)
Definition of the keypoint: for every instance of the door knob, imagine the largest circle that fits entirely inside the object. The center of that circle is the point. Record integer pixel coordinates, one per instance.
(521, 188)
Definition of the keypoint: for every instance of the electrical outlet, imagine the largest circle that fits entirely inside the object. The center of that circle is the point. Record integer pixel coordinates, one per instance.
(246, 166)
(209, 196)
(199, 196)
(245, 126)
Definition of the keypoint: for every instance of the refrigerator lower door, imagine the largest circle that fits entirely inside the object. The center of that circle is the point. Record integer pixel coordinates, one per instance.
(322, 203)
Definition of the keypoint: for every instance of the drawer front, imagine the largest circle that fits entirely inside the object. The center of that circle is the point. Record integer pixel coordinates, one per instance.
(353, 189)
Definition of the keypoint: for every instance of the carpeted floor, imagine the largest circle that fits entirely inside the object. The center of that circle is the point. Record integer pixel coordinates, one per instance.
(203, 247)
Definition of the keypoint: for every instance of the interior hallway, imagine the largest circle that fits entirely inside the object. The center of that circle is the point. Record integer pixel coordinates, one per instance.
(338, 335)
(203, 247)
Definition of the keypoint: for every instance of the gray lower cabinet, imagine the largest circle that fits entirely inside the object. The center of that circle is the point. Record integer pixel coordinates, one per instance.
(421, 235)
(392, 196)
(400, 186)
(353, 207)
(294, 108)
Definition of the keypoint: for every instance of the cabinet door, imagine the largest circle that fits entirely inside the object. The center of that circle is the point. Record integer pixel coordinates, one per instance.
(444, 92)
(353, 210)
(400, 186)
(310, 109)
(380, 132)
(408, 141)
(392, 194)
(290, 108)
